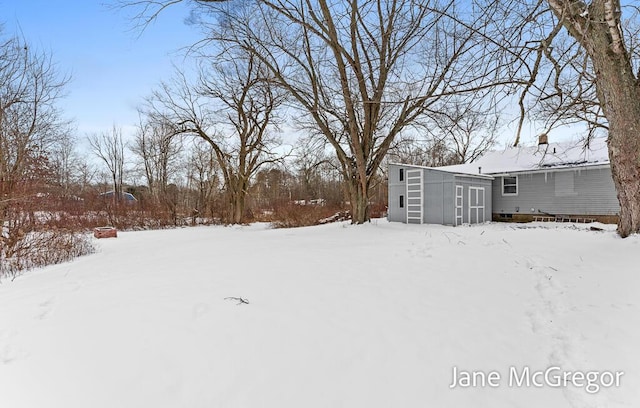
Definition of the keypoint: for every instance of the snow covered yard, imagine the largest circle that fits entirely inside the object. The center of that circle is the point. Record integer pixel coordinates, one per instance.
(338, 316)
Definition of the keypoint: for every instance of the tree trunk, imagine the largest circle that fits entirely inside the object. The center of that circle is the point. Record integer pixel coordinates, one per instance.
(359, 209)
(237, 197)
(625, 167)
(619, 94)
(237, 208)
(359, 200)
(618, 91)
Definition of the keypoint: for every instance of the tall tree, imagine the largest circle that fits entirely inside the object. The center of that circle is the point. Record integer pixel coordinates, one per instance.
(65, 164)
(597, 27)
(30, 122)
(361, 72)
(109, 148)
(233, 108)
(364, 71)
(159, 153)
(314, 166)
(203, 177)
(462, 128)
(430, 152)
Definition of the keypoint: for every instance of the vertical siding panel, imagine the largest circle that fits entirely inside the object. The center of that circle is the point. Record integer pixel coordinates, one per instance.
(396, 189)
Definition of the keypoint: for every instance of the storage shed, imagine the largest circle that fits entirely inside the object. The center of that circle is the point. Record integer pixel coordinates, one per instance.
(430, 195)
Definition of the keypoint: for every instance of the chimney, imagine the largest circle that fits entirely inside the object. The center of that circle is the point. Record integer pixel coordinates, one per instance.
(542, 139)
(479, 170)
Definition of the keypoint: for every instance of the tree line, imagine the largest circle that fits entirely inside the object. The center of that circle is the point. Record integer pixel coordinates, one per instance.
(361, 82)
(362, 74)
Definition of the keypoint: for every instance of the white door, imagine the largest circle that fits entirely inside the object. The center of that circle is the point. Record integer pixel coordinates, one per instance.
(476, 205)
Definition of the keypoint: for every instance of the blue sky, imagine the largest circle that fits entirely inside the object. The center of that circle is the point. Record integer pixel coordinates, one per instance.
(112, 66)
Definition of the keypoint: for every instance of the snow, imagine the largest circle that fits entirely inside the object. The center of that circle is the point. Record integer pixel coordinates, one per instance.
(536, 158)
(338, 316)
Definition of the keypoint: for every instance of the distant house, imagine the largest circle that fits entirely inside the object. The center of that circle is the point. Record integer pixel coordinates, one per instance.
(563, 181)
(126, 197)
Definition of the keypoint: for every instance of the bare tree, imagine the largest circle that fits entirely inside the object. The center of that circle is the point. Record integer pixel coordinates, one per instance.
(346, 64)
(203, 177)
(30, 122)
(85, 174)
(467, 132)
(362, 71)
(109, 148)
(567, 94)
(314, 165)
(233, 109)
(559, 88)
(457, 133)
(159, 153)
(312, 181)
(420, 151)
(597, 27)
(30, 127)
(65, 164)
(585, 70)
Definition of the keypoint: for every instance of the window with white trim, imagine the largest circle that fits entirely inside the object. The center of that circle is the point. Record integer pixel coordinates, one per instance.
(510, 186)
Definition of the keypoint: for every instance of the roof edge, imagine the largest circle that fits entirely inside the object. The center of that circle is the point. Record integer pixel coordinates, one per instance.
(440, 169)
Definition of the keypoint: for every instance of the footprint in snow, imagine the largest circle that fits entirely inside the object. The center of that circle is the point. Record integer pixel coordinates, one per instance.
(199, 310)
(8, 352)
(45, 309)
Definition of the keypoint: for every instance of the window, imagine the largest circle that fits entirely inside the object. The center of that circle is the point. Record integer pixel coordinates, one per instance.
(401, 201)
(401, 174)
(509, 186)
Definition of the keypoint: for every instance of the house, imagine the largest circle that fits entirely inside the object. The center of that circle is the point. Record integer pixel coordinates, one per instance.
(550, 181)
(126, 197)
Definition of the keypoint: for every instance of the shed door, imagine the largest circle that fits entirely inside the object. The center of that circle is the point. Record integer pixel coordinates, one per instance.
(476, 205)
(414, 196)
(458, 205)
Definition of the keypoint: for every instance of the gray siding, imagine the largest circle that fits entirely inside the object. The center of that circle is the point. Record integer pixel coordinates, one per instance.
(437, 186)
(438, 195)
(396, 189)
(467, 182)
(586, 191)
(449, 205)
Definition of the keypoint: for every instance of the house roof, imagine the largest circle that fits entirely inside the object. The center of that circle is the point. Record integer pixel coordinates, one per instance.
(125, 195)
(537, 158)
(448, 169)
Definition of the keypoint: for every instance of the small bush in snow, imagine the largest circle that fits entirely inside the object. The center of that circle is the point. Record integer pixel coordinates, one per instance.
(21, 251)
(292, 215)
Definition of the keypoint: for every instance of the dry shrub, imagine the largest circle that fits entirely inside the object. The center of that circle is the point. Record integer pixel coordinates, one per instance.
(291, 215)
(21, 251)
(378, 210)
